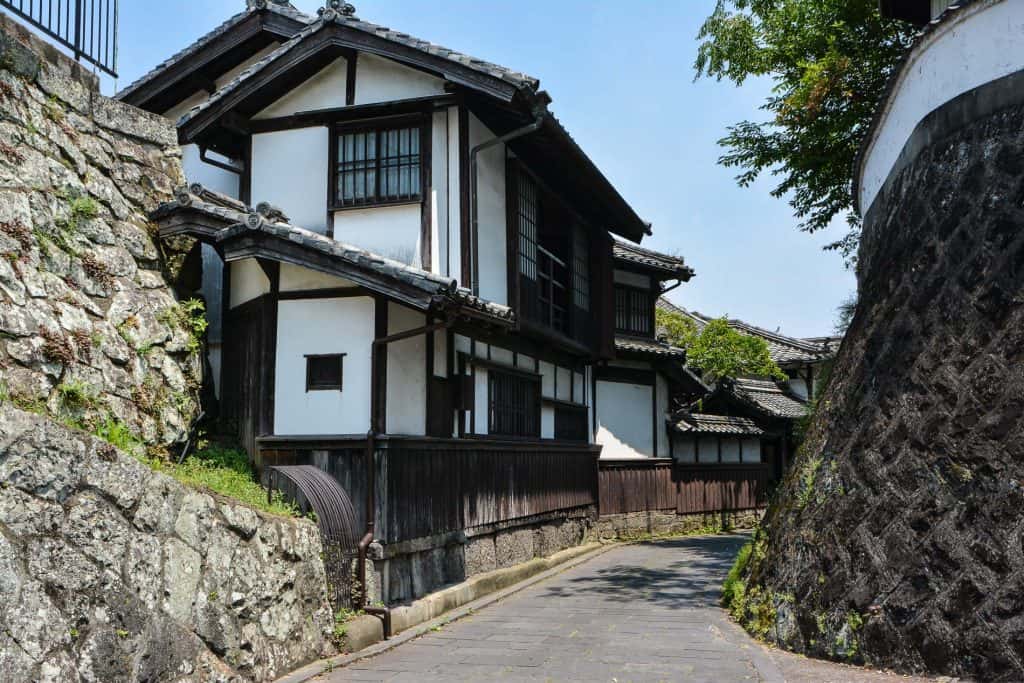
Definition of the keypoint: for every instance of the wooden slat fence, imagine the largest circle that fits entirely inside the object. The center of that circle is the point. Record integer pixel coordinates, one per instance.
(642, 485)
(427, 487)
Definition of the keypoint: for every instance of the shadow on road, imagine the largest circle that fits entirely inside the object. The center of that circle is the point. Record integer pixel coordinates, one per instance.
(694, 581)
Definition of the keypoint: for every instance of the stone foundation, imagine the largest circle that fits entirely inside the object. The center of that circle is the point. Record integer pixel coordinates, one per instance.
(416, 568)
(633, 525)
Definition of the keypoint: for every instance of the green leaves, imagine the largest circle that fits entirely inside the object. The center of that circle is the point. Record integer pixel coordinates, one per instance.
(830, 61)
(718, 350)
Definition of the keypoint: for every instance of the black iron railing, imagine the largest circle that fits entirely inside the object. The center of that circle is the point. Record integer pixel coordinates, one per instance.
(86, 27)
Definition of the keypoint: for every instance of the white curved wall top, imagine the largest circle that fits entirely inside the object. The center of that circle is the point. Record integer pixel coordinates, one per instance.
(980, 43)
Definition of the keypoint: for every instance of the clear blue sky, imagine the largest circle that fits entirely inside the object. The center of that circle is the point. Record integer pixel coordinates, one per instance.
(621, 75)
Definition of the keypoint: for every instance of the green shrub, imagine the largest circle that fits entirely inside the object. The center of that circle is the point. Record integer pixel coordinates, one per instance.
(118, 435)
(735, 586)
(226, 472)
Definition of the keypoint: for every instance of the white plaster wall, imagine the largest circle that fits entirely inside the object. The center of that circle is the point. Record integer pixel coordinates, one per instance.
(480, 407)
(289, 170)
(564, 384)
(407, 374)
(624, 420)
(182, 108)
(798, 387)
(248, 281)
(730, 450)
(547, 422)
(663, 408)
(441, 354)
(981, 43)
(211, 177)
(547, 382)
(440, 223)
(324, 90)
(318, 326)
(684, 448)
(751, 450)
(453, 254)
(492, 220)
(296, 278)
(707, 449)
(390, 231)
(381, 80)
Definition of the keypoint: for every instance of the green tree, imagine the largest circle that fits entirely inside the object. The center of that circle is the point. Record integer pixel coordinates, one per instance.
(829, 60)
(717, 350)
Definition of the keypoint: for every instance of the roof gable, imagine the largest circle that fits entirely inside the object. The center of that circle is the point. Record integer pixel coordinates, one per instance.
(662, 265)
(197, 66)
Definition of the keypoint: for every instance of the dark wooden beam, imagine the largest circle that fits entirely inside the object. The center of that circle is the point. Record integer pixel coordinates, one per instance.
(352, 114)
(351, 62)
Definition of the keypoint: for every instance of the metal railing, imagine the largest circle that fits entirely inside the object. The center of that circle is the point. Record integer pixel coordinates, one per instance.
(86, 27)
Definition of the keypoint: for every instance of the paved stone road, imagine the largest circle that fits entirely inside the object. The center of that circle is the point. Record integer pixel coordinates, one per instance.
(644, 612)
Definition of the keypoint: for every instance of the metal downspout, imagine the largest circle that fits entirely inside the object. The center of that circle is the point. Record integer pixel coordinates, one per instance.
(474, 208)
(371, 470)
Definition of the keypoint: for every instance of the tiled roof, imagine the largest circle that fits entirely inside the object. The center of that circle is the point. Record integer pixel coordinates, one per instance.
(648, 346)
(314, 23)
(765, 396)
(674, 266)
(284, 9)
(698, 423)
(267, 220)
(784, 350)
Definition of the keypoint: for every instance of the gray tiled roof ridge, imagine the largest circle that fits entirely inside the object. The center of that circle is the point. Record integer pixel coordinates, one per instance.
(314, 23)
(287, 10)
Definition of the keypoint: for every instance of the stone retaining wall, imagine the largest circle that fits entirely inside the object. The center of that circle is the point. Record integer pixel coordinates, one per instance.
(633, 525)
(90, 328)
(112, 572)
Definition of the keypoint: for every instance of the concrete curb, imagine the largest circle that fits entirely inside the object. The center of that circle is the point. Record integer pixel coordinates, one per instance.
(440, 608)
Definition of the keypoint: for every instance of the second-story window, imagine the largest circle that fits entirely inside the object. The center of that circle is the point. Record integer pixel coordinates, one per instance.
(634, 311)
(378, 165)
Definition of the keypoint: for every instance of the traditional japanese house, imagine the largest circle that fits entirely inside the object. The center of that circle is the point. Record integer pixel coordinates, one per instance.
(633, 391)
(409, 263)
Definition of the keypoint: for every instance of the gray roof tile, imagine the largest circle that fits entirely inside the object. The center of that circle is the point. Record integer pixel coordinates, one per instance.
(767, 397)
(270, 221)
(698, 423)
(673, 266)
(649, 347)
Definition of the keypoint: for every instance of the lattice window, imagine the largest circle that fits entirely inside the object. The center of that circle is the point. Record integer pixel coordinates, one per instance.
(378, 166)
(514, 404)
(580, 269)
(529, 220)
(634, 311)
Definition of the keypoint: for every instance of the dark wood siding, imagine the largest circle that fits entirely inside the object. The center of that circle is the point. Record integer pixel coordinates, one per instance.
(659, 484)
(247, 391)
(434, 486)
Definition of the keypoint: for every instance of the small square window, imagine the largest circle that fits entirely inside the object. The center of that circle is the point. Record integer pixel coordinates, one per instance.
(324, 372)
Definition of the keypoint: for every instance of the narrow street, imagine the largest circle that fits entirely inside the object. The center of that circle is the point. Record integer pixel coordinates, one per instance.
(646, 612)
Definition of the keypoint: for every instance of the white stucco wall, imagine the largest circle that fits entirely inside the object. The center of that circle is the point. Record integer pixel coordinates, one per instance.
(381, 80)
(407, 374)
(394, 232)
(440, 199)
(211, 177)
(624, 420)
(289, 170)
(980, 43)
(798, 387)
(296, 278)
(248, 281)
(453, 252)
(324, 90)
(182, 108)
(492, 240)
(663, 408)
(323, 326)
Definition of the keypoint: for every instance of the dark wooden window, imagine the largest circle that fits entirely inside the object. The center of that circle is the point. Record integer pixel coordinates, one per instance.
(553, 260)
(514, 404)
(570, 422)
(324, 372)
(377, 165)
(634, 311)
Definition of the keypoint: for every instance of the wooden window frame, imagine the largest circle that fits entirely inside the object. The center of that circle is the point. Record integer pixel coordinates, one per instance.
(415, 121)
(650, 312)
(325, 387)
(535, 407)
